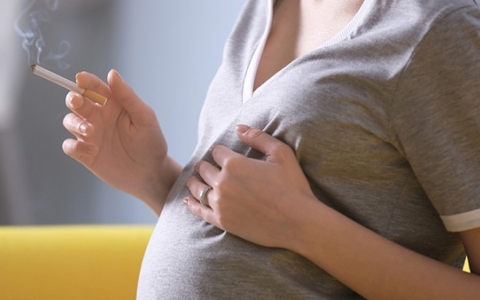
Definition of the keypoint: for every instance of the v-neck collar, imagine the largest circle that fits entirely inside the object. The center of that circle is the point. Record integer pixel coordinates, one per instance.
(252, 67)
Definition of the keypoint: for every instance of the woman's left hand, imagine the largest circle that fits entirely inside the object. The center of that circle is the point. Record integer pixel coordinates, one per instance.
(258, 200)
(269, 202)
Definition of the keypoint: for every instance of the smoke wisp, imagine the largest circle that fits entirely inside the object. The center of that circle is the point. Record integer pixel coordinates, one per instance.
(28, 25)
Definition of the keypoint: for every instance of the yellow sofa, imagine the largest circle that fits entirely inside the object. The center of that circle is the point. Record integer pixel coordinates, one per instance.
(71, 262)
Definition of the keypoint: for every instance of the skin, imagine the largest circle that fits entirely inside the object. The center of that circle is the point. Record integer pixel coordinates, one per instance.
(122, 143)
(273, 214)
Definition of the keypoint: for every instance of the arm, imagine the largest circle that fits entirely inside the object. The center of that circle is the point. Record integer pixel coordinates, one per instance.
(121, 142)
(377, 268)
(289, 216)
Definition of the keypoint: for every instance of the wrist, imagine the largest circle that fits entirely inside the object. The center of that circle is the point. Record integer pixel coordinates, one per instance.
(159, 183)
(306, 219)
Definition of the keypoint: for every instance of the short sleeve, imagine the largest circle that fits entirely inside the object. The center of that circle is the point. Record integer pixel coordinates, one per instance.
(435, 117)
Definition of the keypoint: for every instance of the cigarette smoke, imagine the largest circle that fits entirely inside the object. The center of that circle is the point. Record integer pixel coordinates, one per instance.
(28, 24)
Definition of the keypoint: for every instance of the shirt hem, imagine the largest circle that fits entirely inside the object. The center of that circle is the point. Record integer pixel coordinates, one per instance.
(463, 221)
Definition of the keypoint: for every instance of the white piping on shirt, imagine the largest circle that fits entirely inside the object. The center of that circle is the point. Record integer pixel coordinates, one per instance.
(345, 33)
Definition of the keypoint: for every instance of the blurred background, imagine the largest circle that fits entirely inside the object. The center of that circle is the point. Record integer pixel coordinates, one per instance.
(168, 51)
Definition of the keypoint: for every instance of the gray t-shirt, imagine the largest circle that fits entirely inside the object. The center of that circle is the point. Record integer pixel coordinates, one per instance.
(385, 122)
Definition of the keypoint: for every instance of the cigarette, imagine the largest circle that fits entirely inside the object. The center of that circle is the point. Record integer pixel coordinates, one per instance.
(69, 85)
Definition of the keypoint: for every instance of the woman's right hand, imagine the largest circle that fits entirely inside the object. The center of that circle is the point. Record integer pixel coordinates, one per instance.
(122, 142)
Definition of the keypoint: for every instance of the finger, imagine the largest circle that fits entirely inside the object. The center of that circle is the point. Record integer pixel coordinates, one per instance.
(126, 97)
(78, 150)
(76, 103)
(201, 211)
(92, 82)
(273, 148)
(77, 126)
(207, 172)
(223, 156)
(199, 189)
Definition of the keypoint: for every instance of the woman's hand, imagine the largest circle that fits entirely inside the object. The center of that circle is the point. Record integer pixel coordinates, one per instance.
(121, 142)
(258, 200)
(270, 203)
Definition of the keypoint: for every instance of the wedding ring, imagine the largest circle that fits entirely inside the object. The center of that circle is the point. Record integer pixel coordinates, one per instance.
(203, 195)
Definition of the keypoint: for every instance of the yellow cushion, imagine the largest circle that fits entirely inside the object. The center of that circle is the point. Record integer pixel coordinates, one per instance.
(466, 267)
(71, 262)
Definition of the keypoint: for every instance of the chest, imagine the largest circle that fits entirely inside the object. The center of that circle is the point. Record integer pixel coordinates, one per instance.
(329, 102)
(331, 113)
(298, 27)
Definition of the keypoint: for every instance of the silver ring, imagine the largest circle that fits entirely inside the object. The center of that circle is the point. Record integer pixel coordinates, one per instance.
(203, 195)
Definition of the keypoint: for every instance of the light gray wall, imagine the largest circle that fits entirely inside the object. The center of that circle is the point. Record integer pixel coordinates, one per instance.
(167, 50)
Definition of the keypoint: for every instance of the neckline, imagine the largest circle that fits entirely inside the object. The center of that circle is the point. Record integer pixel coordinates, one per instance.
(252, 67)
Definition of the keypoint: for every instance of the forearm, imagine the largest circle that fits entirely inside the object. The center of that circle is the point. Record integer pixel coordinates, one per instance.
(159, 185)
(372, 265)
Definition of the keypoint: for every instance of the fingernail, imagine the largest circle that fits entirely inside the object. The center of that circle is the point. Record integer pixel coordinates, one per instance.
(185, 201)
(83, 128)
(117, 74)
(70, 96)
(70, 102)
(242, 128)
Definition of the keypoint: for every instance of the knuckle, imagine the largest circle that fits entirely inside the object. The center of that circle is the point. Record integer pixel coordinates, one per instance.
(254, 133)
(231, 163)
(219, 193)
(214, 197)
(149, 117)
(283, 151)
(197, 210)
(217, 184)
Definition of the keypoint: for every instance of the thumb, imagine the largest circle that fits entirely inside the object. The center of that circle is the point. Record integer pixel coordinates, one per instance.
(124, 95)
(273, 148)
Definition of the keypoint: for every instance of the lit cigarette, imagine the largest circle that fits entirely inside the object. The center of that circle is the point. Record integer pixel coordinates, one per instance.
(69, 85)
